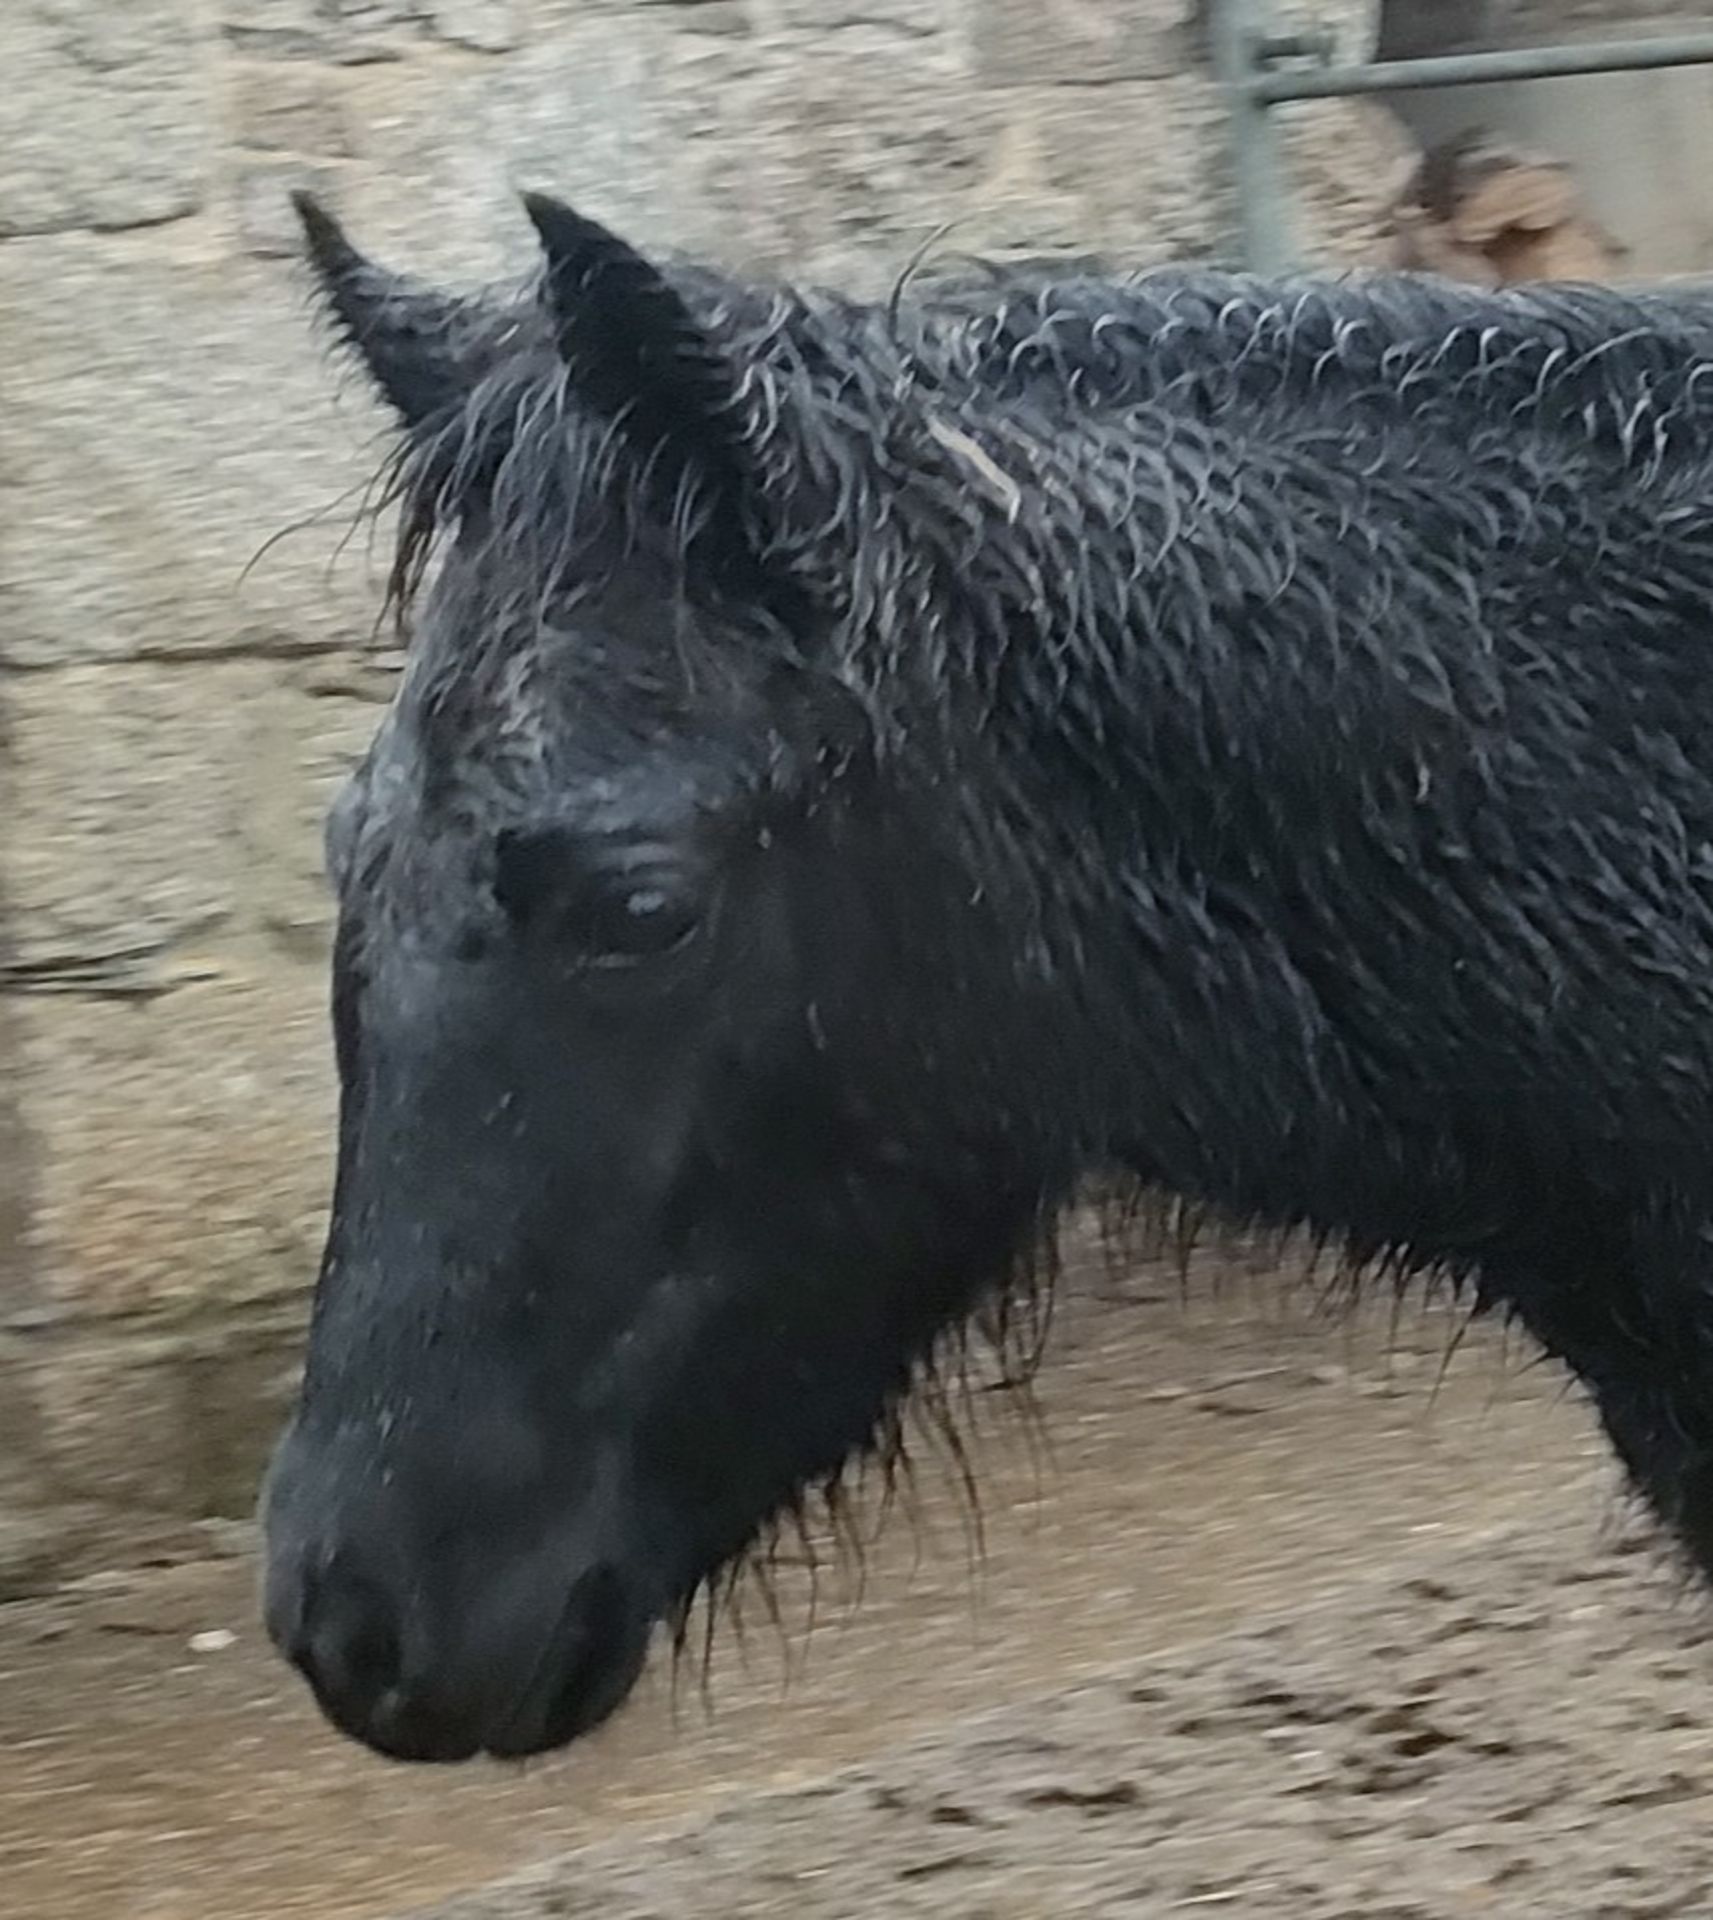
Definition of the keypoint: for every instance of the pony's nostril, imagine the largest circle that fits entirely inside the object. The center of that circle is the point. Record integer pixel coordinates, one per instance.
(587, 1668)
(348, 1644)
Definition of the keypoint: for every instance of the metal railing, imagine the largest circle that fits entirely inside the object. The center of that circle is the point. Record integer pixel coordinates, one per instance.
(1262, 69)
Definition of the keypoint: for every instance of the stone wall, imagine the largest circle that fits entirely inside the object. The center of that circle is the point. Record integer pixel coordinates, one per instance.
(187, 645)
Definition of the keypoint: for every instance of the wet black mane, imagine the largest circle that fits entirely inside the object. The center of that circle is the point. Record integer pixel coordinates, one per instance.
(981, 414)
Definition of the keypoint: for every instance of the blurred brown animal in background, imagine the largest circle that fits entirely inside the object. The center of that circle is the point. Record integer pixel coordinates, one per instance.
(1476, 209)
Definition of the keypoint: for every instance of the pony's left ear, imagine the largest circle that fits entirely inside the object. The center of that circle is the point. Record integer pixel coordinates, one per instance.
(402, 332)
(637, 356)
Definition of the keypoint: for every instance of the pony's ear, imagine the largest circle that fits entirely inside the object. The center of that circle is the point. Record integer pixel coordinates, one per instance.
(401, 330)
(637, 355)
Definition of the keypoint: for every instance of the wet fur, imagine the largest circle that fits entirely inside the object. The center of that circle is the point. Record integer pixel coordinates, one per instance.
(1387, 606)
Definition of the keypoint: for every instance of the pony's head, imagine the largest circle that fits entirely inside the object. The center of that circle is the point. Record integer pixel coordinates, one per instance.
(665, 997)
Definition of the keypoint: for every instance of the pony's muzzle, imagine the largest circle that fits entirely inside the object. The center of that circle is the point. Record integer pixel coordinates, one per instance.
(470, 1642)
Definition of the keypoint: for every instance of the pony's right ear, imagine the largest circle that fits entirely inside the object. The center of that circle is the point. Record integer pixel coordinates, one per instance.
(401, 330)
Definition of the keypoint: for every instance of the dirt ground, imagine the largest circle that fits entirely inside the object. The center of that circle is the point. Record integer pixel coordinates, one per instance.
(1274, 1620)
(1501, 1732)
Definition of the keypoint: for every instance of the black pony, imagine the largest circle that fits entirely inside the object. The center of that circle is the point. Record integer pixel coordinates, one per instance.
(863, 772)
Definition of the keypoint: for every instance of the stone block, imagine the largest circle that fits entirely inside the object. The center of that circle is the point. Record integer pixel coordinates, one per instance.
(836, 168)
(920, 20)
(1028, 43)
(310, 729)
(21, 1441)
(351, 31)
(238, 1390)
(113, 1422)
(120, 853)
(430, 193)
(275, 29)
(184, 455)
(706, 16)
(179, 1423)
(1158, 195)
(35, 1544)
(363, 32)
(18, 1292)
(105, 118)
(487, 26)
(288, 109)
(185, 1143)
(615, 112)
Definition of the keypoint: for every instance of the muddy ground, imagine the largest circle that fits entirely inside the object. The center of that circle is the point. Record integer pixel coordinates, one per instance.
(1275, 1620)
(1497, 1733)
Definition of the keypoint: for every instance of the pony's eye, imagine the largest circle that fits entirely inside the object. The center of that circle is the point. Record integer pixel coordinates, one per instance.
(594, 919)
(623, 925)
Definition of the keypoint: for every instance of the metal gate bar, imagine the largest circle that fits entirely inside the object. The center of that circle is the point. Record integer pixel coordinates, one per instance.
(1254, 64)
